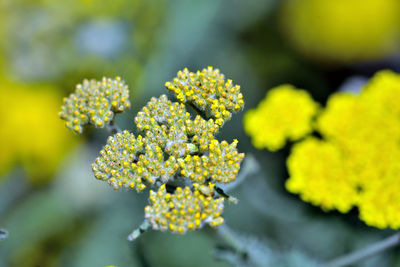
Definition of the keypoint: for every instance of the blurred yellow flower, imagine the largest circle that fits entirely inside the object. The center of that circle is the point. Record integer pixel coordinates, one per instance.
(342, 30)
(31, 133)
(318, 173)
(285, 113)
(358, 163)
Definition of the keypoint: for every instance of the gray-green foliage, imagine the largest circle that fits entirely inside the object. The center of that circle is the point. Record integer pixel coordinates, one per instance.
(3, 234)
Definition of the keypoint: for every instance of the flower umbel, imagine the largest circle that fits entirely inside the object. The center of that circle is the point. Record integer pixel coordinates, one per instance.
(221, 165)
(174, 151)
(184, 210)
(95, 102)
(208, 91)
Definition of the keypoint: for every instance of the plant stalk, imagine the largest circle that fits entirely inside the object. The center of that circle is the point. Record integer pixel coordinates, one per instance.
(228, 236)
(113, 127)
(369, 251)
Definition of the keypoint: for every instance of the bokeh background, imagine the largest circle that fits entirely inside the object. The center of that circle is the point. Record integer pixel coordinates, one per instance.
(57, 214)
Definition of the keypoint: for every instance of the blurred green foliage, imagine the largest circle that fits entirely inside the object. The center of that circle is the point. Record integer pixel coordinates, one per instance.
(74, 220)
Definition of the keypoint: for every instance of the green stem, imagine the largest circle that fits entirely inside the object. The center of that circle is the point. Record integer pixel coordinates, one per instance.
(226, 234)
(369, 251)
(113, 127)
(144, 227)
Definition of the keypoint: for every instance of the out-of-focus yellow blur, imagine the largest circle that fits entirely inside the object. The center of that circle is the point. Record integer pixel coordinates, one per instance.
(31, 133)
(342, 30)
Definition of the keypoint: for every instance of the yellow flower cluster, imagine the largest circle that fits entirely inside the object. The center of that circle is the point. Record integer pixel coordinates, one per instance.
(356, 163)
(30, 134)
(127, 161)
(369, 141)
(203, 131)
(174, 150)
(164, 125)
(208, 91)
(95, 102)
(131, 162)
(184, 210)
(169, 132)
(285, 113)
(221, 165)
(342, 30)
(318, 174)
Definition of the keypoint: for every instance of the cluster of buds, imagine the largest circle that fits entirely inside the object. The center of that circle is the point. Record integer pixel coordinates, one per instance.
(177, 155)
(184, 210)
(95, 102)
(126, 161)
(163, 122)
(208, 91)
(220, 165)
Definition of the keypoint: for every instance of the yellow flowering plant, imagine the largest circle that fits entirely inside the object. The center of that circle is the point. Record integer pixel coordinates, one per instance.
(355, 163)
(175, 154)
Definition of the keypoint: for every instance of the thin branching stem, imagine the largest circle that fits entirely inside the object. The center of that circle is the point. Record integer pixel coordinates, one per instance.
(369, 251)
(144, 227)
(226, 234)
(113, 127)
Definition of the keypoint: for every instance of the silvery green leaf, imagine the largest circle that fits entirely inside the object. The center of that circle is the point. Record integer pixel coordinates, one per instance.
(3, 234)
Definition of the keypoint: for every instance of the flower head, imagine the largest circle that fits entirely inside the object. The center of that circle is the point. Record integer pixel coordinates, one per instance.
(117, 159)
(318, 173)
(163, 122)
(285, 113)
(221, 165)
(202, 131)
(95, 102)
(186, 209)
(130, 162)
(174, 150)
(208, 91)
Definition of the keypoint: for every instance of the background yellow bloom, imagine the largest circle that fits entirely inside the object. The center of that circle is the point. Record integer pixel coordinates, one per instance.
(356, 163)
(31, 133)
(363, 133)
(342, 30)
(318, 173)
(284, 114)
